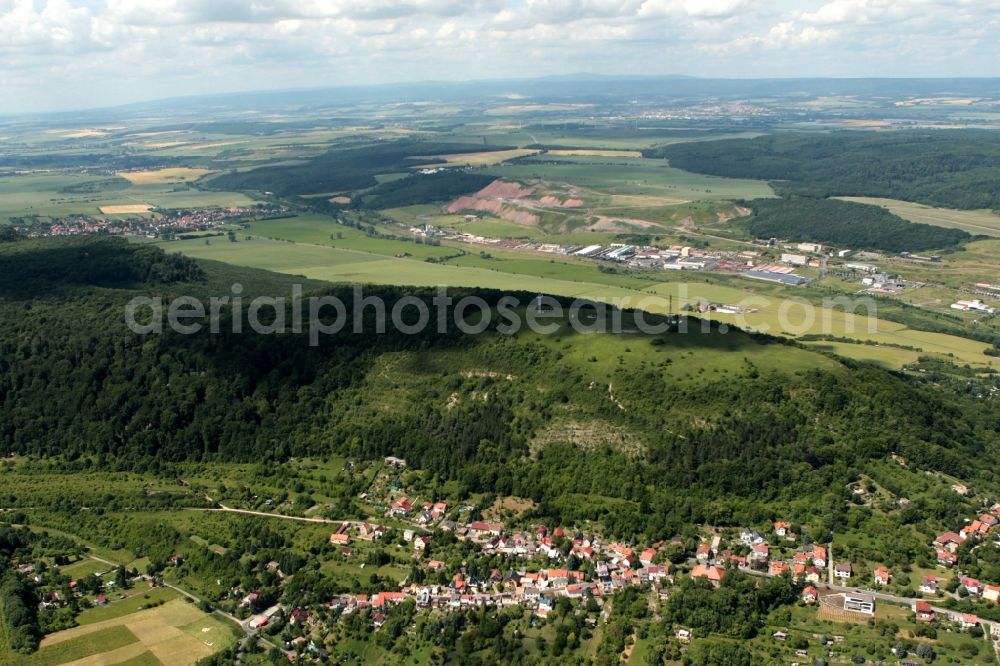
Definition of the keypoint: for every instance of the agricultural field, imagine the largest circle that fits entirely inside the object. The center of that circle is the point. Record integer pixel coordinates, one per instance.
(61, 195)
(166, 175)
(377, 264)
(175, 632)
(976, 222)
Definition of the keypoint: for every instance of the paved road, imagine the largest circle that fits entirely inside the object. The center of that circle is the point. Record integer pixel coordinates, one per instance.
(265, 514)
(322, 521)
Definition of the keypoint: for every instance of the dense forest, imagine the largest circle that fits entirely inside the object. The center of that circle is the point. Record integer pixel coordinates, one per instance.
(845, 223)
(341, 170)
(948, 168)
(98, 261)
(74, 382)
(422, 189)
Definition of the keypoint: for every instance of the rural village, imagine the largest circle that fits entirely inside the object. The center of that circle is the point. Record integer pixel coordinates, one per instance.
(540, 566)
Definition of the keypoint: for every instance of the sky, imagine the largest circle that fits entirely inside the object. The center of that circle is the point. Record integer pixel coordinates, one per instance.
(67, 54)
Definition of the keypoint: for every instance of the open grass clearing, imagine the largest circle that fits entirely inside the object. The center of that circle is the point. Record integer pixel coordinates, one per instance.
(160, 176)
(82, 648)
(595, 152)
(136, 599)
(984, 222)
(633, 176)
(126, 209)
(472, 159)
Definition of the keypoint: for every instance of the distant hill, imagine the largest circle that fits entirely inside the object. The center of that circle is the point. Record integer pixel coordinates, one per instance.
(552, 87)
(951, 169)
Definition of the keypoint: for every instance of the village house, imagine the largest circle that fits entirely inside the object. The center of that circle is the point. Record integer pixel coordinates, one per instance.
(968, 621)
(777, 568)
(703, 553)
(401, 507)
(733, 559)
(340, 539)
(623, 556)
(371, 532)
(991, 593)
(819, 556)
(657, 573)
(972, 585)
(482, 528)
(809, 594)
(711, 573)
(759, 553)
(842, 570)
(924, 612)
(929, 585)
(420, 543)
(949, 541)
(882, 575)
(946, 558)
(860, 602)
(973, 530)
(383, 598)
(438, 510)
(781, 528)
(647, 556)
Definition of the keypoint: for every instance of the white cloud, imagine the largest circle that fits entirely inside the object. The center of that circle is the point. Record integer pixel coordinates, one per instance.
(702, 8)
(788, 34)
(107, 51)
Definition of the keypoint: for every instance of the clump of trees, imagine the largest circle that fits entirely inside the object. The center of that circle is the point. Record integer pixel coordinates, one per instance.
(737, 608)
(20, 612)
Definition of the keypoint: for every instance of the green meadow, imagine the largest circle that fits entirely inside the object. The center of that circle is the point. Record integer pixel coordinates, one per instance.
(976, 222)
(632, 176)
(770, 309)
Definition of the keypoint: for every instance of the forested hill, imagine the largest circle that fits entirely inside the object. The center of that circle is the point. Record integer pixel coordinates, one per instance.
(679, 428)
(948, 168)
(346, 169)
(846, 224)
(35, 268)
